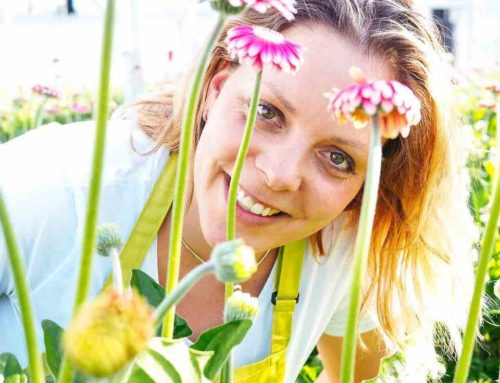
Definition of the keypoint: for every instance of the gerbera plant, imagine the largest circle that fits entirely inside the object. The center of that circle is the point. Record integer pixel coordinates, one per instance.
(487, 249)
(391, 109)
(259, 47)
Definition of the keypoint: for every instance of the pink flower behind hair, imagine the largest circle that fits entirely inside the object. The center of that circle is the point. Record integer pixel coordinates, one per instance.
(393, 102)
(262, 46)
(285, 7)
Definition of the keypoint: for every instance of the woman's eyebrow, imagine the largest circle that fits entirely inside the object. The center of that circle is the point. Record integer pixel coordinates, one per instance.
(354, 144)
(280, 97)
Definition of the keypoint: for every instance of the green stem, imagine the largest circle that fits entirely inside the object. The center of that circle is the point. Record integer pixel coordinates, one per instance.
(22, 290)
(174, 250)
(361, 249)
(39, 113)
(182, 289)
(242, 153)
(117, 270)
(66, 374)
(487, 249)
(226, 373)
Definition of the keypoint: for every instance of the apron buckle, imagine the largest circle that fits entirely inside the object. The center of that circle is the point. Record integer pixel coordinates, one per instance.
(274, 296)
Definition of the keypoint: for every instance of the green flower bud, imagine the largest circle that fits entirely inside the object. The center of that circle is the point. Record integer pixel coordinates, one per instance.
(224, 7)
(109, 332)
(108, 237)
(234, 261)
(240, 305)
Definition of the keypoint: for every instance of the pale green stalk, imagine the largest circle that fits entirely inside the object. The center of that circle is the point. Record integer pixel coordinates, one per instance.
(181, 290)
(22, 291)
(487, 249)
(361, 249)
(66, 373)
(39, 113)
(227, 369)
(117, 270)
(174, 250)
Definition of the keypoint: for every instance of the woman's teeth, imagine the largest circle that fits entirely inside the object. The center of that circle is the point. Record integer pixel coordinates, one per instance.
(248, 204)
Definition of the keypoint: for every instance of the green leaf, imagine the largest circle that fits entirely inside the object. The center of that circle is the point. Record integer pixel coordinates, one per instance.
(167, 361)
(154, 294)
(147, 286)
(52, 334)
(221, 340)
(9, 366)
(181, 328)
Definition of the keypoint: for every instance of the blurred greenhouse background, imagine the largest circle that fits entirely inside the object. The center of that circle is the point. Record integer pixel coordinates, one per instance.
(44, 43)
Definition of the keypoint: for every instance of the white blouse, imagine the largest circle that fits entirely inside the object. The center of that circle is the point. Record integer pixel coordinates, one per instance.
(44, 177)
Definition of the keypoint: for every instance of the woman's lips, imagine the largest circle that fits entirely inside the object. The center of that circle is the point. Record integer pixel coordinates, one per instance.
(246, 216)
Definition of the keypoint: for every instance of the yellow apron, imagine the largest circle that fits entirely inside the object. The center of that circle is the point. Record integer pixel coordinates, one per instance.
(285, 297)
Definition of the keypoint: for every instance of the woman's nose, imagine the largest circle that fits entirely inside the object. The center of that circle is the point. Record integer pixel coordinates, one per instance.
(281, 167)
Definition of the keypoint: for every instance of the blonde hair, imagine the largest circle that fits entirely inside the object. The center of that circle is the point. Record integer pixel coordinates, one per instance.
(420, 266)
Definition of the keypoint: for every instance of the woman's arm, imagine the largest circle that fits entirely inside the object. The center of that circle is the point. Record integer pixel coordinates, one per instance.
(367, 361)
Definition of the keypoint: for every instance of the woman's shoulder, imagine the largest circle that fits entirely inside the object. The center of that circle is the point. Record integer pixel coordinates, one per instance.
(64, 153)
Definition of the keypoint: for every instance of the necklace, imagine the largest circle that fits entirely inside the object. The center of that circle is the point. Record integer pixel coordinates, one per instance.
(201, 260)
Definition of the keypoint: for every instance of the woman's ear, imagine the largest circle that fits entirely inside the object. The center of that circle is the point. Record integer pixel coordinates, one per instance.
(216, 84)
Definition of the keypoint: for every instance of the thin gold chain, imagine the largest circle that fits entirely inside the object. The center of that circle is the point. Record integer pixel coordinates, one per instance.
(201, 260)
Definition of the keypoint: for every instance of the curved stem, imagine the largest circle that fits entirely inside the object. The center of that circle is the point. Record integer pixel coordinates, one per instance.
(361, 249)
(22, 291)
(487, 249)
(65, 374)
(174, 250)
(238, 166)
(181, 290)
(226, 373)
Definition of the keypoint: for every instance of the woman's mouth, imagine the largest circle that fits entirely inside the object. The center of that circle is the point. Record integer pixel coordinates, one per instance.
(250, 210)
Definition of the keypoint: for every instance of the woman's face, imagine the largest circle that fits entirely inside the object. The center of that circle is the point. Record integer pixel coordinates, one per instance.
(300, 161)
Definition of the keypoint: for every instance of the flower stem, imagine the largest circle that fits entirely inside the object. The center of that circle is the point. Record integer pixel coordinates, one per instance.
(22, 290)
(174, 250)
(487, 249)
(66, 373)
(181, 290)
(39, 113)
(117, 270)
(361, 249)
(226, 373)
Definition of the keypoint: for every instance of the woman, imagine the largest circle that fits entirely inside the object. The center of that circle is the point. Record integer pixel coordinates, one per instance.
(304, 169)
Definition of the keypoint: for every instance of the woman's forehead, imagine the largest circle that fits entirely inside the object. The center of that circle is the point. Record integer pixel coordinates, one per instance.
(327, 59)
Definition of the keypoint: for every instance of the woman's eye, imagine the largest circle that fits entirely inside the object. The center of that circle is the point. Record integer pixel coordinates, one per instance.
(342, 161)
(266, 111)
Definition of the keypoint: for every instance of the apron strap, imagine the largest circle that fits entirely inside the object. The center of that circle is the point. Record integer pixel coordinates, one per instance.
(146, 228)
(287, 294)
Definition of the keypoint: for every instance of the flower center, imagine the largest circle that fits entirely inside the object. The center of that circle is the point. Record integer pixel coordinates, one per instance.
(269, 35)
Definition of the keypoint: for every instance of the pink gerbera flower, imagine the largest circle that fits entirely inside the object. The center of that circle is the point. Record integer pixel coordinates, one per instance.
(493, 87)
(262, 46)
(285, 7)
(80, 108)
(46, 91)
(393, 102)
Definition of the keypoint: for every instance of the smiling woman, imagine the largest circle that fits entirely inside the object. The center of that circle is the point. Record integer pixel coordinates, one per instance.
(302, 179)
(311, 169)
